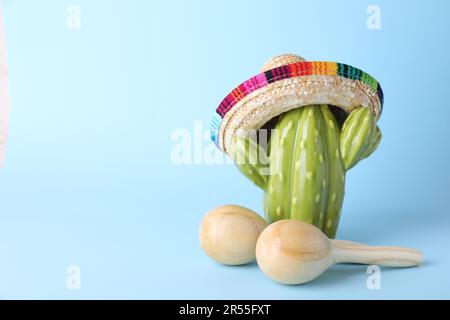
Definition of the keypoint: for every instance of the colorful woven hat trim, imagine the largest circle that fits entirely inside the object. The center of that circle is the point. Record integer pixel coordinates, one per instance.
(298, 69)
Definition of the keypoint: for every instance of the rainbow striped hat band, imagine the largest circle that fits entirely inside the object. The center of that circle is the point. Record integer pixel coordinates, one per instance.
(288, 82)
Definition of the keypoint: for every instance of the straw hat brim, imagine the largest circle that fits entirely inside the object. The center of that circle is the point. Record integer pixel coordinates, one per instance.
(273, 92)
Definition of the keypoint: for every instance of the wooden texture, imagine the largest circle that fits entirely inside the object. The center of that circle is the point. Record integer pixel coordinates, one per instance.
(228, 234)
(293, 252)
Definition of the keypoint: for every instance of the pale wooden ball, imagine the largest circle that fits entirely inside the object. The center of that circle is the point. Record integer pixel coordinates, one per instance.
(228, 234)
(293, 252)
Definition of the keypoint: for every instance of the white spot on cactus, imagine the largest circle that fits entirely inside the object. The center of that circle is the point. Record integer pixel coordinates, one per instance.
(297, 164)
(316, 141)
(329, 224)
(333, 197)
(294, 200)
(290, 123)
(324, 183)
(302, 144)
(278, 211)
(317, 199)
(321, 158)
(284, 135)
(331, 124)
(309, 175)
(281, 177)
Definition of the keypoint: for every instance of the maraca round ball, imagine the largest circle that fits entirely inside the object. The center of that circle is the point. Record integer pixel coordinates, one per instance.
(293, 252)
(228, 234)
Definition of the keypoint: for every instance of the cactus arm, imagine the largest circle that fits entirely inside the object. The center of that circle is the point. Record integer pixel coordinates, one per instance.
(334, 184)
(358, 132)
(250, 159)
(373, 144)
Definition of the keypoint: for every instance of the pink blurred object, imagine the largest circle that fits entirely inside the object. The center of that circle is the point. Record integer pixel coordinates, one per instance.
(4, 100)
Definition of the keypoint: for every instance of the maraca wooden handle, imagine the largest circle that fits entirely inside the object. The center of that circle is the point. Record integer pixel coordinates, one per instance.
(349, 243)
(349, 252)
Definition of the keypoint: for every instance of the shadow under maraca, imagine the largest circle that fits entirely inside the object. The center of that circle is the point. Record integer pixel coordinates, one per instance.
(348, 272)
(248, 266)
(336, 275)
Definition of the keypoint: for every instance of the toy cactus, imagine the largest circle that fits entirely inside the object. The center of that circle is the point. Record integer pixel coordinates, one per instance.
(311, 146)
(311, 155)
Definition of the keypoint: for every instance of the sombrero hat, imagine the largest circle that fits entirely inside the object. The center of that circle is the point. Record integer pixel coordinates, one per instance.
(287, 82)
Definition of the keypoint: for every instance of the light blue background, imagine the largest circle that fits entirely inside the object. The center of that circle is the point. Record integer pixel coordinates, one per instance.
(88, 179)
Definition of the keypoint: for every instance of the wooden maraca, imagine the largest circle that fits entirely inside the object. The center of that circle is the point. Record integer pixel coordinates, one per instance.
(228, 234)
(294, 252)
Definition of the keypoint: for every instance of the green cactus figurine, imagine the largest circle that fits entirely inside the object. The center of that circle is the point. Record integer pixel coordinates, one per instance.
(307, 157)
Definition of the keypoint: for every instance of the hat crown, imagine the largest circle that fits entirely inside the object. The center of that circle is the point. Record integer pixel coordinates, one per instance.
(281, 60)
